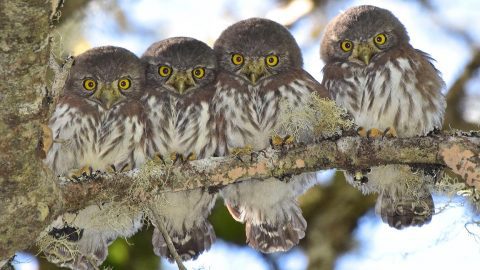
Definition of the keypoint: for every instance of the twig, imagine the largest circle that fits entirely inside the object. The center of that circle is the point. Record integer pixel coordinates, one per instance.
(161, 226)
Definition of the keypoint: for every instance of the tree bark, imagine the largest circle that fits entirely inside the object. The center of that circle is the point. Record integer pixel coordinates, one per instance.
(28, 194)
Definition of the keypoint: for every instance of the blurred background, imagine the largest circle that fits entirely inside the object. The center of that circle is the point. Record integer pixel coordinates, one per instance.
(343, 231)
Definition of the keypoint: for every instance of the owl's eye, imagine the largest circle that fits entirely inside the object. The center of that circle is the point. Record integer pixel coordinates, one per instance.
(164, 71)
(198, 73)
(271, 60)
(237, 59)
(346, 45)
(124, 83)
(380, 39)
(89, 84)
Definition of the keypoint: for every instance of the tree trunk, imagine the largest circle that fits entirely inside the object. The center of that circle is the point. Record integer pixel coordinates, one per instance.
(28, 194)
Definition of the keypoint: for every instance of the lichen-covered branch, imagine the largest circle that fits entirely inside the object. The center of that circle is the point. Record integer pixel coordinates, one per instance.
(459, 152)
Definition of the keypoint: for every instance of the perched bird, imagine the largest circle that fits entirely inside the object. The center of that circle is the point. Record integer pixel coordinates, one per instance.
(261, 66)
(391, 89)
(98, 125)
(181, 73)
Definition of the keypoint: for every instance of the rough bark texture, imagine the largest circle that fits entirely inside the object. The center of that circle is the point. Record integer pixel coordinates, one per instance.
(28, 195)
(346, 153)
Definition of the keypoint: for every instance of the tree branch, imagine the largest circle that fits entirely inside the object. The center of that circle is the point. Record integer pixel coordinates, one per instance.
(459, 152)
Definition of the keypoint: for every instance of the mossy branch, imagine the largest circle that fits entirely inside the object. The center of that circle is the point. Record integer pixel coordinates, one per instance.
(460, 152)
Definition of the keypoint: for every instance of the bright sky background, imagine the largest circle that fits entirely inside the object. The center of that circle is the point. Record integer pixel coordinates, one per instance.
(444, 243)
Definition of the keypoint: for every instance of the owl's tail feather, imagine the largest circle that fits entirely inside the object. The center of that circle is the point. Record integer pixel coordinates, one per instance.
(188, 244)
(271, 233)
(406, 210)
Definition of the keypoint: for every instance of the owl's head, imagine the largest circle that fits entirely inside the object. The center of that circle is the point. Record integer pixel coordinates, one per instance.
(180, 64)
(106, 75)
(361, 34)
(257, 48)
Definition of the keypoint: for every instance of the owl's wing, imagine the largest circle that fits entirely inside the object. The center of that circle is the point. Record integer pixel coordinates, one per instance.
(74, 127)
(184, 215)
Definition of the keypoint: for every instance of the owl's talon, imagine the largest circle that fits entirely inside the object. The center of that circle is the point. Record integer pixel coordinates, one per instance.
(276, 141)
(374, 133)
(361, 176)
(77, 173)
(111, 169)
(174, 157)
(126, 167)
(157, 157)
(192, 156)
(289, 140)
(362, 132)
(240, 151)
(390, 132)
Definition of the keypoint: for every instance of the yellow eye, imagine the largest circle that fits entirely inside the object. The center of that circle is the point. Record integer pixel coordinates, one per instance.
(164, 71)
(198, 73)
(346, 45)
(271, 60)
(89, 84)
(237, 59)
(380, 39)
(124, 83)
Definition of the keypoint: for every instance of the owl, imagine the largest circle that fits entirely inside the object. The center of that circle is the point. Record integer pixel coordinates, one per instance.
(391, 89)
(261, 66)
(98, 125)
(181, 74)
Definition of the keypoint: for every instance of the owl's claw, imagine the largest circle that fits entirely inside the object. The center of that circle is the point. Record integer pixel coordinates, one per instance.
(125, 167)
(190, 157)
(174, 157)
(241, 151)
(390, 132)
(361, 176)
(276, 141)
(157, 157)
(371, 133)
(77, 173)
(279, 142)
(374, 133)
(362, 132)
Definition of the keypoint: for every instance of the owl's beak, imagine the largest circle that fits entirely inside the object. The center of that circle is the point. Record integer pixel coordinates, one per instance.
(364, 53)
(108, 96)
(181, 81)
(254, 69)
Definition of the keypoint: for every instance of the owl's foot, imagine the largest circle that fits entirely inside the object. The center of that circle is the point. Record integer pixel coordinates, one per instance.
(361, 176)
(279, 142)
(176, 157)
(114, 169)
(390, 132)
(371, 133)
(190, 157)
(77, 173)
(242, 151)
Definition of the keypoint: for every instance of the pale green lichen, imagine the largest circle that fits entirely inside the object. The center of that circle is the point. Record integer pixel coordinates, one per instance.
(316, 118)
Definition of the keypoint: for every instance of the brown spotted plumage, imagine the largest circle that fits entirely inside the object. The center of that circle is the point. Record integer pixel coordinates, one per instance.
(98, 125)
(180, 85)
(261, 65)
(373, 71)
